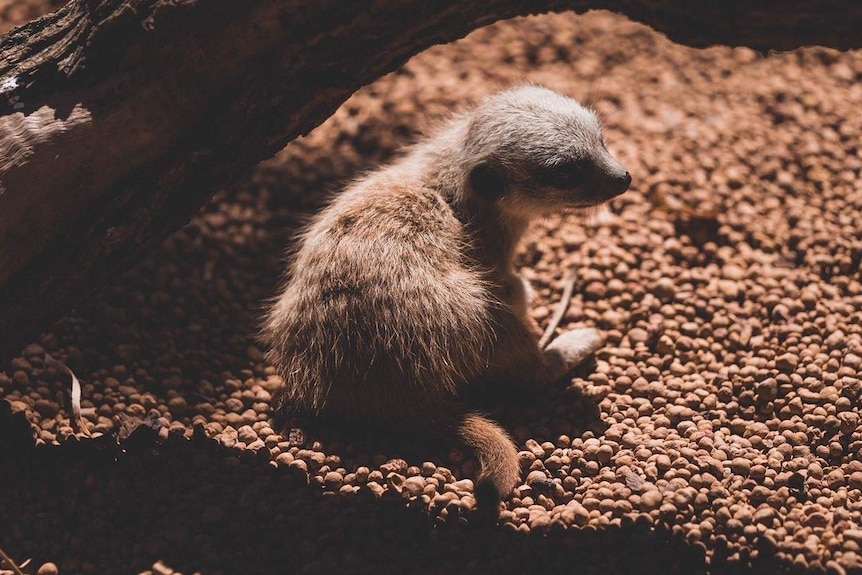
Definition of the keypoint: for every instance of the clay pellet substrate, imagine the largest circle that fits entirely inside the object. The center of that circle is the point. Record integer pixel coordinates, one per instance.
(724, 408)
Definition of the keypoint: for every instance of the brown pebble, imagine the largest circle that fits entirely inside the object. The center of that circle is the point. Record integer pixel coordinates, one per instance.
(651, 499)
(178, 406)
(533, 447)
(765, 516)
(414, 486)
(787, 362)
(332, 480)
(740, 466)
(834, 479)
(575, 514)
(638, 335)
(375, 488)
(664, 288)
(817, 519)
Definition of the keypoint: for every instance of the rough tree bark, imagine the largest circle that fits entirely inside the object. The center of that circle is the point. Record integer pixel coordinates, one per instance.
(119, 118)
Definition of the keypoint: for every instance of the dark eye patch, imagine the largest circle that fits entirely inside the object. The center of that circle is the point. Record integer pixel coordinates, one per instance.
(566, 174)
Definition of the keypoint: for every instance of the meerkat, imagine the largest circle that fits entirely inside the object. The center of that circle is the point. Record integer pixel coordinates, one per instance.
(402, 293)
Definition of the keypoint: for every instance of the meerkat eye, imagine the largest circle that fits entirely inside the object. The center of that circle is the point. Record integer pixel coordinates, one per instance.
(487, 180)
(567, 174)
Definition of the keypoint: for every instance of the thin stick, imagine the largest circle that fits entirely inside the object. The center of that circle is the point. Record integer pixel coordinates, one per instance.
(10, 563)
(568, 289)
(78, 420)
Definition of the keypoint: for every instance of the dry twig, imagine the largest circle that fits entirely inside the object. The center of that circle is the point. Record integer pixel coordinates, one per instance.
(12, 565)
(78, 422)
(568, 288)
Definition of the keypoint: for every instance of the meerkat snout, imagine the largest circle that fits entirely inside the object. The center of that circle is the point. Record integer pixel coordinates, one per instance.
(537, 151)
(616, 179)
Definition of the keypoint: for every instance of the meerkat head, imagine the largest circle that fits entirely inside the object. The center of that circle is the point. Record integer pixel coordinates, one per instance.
(533, 150)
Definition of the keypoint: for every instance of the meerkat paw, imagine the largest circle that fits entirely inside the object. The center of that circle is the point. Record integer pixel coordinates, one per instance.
(570, 349)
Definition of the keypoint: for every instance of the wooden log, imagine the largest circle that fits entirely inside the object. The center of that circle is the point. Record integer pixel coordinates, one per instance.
(120, 118)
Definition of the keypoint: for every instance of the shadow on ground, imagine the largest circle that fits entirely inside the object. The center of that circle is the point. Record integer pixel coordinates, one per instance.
(96, 507)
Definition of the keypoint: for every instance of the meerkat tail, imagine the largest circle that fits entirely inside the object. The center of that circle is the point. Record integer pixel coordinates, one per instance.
(499, 469)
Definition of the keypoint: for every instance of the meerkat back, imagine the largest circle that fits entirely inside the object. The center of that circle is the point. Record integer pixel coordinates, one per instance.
(378, 292)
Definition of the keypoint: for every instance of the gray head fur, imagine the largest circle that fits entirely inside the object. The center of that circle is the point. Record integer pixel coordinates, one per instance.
(533, 150)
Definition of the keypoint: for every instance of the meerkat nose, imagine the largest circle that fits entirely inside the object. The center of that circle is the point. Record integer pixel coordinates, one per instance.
(627, 179)
(622, 182)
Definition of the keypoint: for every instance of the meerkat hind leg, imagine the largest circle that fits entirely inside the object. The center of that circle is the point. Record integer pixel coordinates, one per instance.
(570, 349)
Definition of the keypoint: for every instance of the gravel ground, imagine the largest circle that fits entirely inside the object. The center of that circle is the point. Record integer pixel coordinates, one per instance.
(718, 430)
(17, 12)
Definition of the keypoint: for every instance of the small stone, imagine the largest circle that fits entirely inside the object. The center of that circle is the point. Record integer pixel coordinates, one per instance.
(375, 488)
(178, 406)
(740, 466)
(729, 288)
(394, 466)
(816, 519)
(663, 462)
(595, 291)
(638, 335)
(395, 481)
(765, 516)
(21, 378)
(536, 476)
(767, 390)
(664, 288)
(461, 487)
(853, 360)
(246, 434)
(651, 499)
(786, 363)
(362, 474)
(332, 480)
(834, 479)
(284, 458)
(414, 486)
(533, 447)
(575, 514)
(848, 422)
(256, 445)
(733, 272)
(665, 345)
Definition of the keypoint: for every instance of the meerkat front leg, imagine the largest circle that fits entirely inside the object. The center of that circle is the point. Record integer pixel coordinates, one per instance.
(519, 294)
(569, 350)
(518, 362)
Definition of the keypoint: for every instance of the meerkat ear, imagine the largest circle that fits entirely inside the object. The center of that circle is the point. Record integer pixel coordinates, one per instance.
(488, 180)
